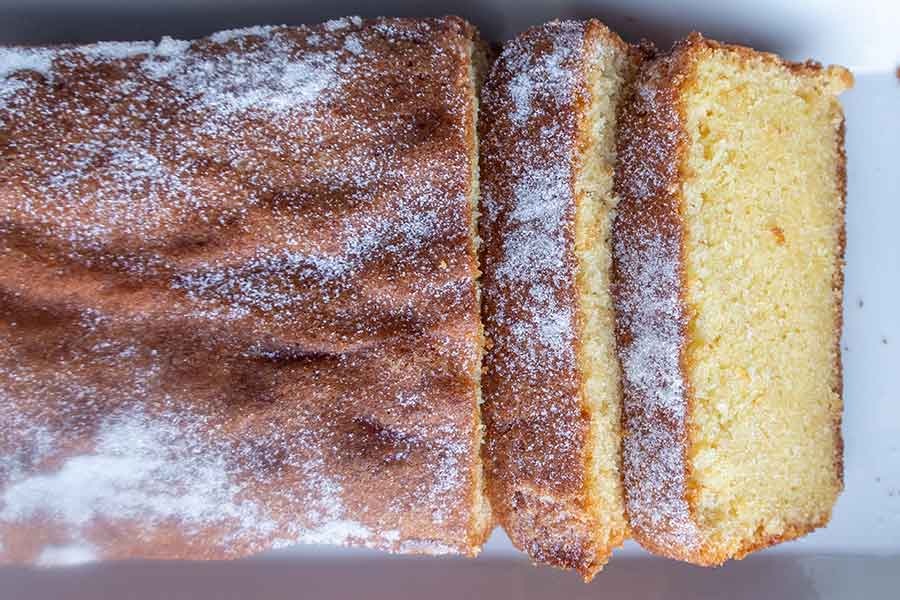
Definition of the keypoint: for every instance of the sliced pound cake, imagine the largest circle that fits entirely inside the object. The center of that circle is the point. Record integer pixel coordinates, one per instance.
(551, 382)
(238, 294)
(728, 256)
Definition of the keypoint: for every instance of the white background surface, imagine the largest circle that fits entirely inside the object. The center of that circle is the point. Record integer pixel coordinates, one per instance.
(857, 555)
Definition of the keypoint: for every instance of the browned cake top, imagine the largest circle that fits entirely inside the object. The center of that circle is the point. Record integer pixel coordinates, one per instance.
(536, 422)
(237, 300)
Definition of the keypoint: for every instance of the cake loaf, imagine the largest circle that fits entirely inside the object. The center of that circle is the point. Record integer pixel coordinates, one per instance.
(728, 257)
(238, 294)
(551, 384)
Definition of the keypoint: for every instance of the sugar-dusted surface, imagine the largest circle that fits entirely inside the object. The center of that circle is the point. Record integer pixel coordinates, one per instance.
(237, 298)
(538, 423)
(650, 314)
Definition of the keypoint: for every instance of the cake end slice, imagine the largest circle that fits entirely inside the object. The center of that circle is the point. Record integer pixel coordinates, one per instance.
(728, 258)
(551, 383)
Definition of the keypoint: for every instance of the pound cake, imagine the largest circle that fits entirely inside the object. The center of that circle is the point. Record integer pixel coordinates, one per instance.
(238, 294)
(551, 383)
(728, 258)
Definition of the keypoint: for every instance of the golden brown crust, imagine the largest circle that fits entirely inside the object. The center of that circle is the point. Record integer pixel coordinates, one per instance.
(535, 467)
(538, 449)
(237, 294)
(649, 288)
(647, 271)
(839, 290)
(792, 531)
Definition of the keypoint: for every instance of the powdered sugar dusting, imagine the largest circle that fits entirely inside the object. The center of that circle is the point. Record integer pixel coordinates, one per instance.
(534, 263)
(269, 79)
(20, 62)
(335, 532)
(353, 45)
(536, 429)
(534, 251)
(96, 178)
(337, 24)
(278, 82)
(651, 321)
(106, 51)
(169, 46)
(14, 60)
(135, 470)
(167, 465)
(653, 445)
(448, 474)
(547, 72)
(226, 299)
(655, 319)
(260, 31)
(264, 281)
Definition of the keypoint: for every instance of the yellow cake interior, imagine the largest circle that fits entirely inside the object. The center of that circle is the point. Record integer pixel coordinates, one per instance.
(763, 212)
(607, 72)
(483, 520)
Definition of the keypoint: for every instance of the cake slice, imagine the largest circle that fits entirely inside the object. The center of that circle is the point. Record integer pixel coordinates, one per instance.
(551, 383)
(728, 257)
(238, 294)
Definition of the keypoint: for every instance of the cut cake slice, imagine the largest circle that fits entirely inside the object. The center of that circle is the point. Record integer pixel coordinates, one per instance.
(728, 257)
(551, 383)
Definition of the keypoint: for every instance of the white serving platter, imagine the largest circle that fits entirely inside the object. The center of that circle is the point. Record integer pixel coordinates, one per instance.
(857, 555)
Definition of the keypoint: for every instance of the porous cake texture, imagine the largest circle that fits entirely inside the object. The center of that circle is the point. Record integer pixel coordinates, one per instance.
(238, 300)
(551, 383)
(728, 257)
